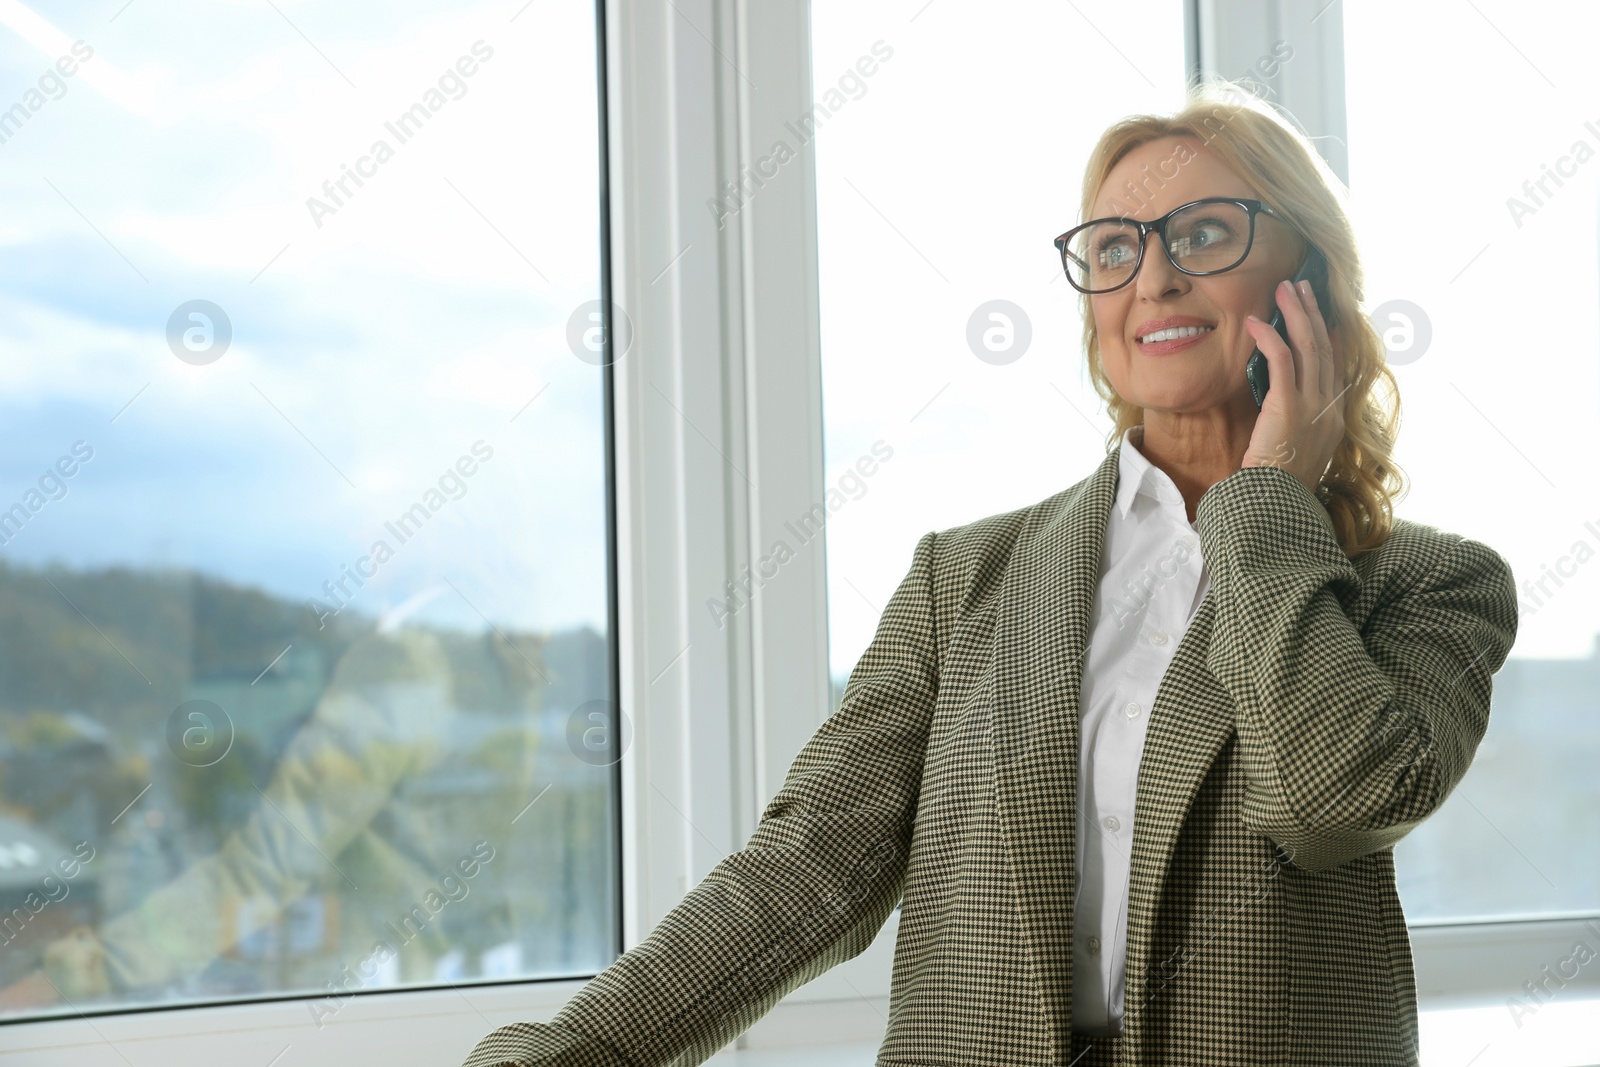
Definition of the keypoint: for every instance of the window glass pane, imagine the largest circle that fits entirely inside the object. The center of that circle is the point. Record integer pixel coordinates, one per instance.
(1497, 368)
(303, 586)
(949, 333)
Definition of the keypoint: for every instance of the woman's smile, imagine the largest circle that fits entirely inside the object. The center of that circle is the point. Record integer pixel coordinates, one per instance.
(1171, 333)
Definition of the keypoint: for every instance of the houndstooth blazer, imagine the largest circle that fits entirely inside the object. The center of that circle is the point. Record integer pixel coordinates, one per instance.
(1316, 710)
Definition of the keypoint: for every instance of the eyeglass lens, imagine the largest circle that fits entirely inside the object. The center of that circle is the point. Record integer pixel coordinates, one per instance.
(1204, 237)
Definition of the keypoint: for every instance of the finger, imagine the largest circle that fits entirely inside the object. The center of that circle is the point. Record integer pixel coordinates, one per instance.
(1302, 342)
(1327, 371)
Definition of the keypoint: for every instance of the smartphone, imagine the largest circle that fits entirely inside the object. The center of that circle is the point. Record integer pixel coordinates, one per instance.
(1313, 268)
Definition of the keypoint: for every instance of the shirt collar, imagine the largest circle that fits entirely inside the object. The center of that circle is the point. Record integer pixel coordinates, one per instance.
(1136, 475)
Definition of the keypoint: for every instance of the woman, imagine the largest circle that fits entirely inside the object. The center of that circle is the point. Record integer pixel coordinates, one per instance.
(1132, 759)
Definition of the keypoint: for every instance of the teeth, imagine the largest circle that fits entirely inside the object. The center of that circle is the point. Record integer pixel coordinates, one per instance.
(1172, 333)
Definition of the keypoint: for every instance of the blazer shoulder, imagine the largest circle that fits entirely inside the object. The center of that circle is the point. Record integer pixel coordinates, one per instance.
(1414, 550)
(970, 560)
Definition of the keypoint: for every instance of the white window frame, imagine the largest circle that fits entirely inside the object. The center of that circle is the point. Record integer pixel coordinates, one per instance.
(717, 410)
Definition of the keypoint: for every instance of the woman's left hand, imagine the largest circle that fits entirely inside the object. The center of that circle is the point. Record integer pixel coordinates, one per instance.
(1301, 420)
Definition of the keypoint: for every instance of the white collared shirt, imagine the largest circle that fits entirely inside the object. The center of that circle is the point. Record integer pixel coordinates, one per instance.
(1152, 579)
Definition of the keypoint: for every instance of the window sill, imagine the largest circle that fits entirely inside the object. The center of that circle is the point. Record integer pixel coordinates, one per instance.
(439, 1027)
(1565, 1033)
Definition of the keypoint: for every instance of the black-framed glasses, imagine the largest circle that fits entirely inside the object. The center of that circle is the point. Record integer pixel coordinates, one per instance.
(1201, 237)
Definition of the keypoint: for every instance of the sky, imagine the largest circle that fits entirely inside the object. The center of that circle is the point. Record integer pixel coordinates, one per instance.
(375, 340)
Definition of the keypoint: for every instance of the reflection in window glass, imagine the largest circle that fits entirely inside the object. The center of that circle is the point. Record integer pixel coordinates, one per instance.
(939, 193)
(1483, 265)
(303, 629)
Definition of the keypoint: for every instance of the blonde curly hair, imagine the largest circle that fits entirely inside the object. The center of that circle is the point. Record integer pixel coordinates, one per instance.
(1276, 159)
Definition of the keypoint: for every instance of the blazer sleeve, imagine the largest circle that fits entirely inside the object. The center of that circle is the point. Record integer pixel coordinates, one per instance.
(812, 888)
(1350, 737)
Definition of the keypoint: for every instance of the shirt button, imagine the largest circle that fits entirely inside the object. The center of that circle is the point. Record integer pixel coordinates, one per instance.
(1190, 541)
(1131, 710)
(1094, 946)
(1158, 637)
(1112, 823)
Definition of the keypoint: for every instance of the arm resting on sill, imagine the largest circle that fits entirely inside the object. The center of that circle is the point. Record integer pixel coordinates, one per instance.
(810, 890)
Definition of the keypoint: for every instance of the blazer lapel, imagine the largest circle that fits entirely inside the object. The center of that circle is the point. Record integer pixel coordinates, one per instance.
(1190, 722)
(1042, 630)
(1041, 635)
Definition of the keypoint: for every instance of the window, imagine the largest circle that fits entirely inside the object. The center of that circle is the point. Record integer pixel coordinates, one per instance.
(951, 357)
(929, 187)
(379, 321)
(1452, 280)
(305, 655)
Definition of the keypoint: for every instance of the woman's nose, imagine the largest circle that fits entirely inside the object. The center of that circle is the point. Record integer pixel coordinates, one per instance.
(1157, 275)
